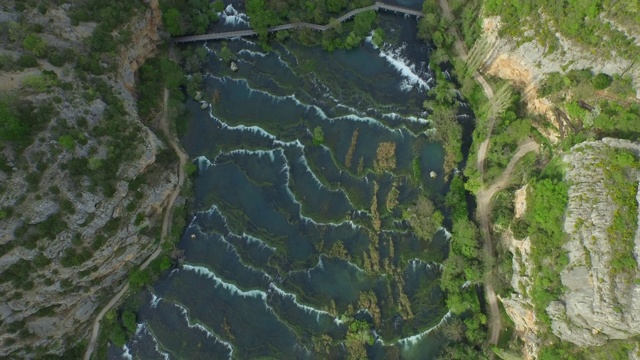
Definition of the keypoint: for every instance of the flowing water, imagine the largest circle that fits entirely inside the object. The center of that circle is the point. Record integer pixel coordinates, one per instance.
(263, 277)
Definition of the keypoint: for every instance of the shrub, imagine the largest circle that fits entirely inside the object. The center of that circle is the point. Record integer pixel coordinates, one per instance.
(67, 142)
(520, 228)
(27, 61)
(601, 81)
(190, 169)
(117, 336)
(34, 44)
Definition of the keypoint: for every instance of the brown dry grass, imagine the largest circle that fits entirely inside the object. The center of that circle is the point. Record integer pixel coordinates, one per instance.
(386, 156)
(352, 148)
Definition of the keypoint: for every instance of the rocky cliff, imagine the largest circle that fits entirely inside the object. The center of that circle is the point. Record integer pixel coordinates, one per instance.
(67, 238)
(526, 64)
(602, 296)
(518, 305)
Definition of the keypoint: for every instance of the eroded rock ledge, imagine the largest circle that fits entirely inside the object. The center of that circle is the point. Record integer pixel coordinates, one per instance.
(598, 304)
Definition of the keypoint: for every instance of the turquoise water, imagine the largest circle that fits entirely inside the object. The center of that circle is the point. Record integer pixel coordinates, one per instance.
(260, 278)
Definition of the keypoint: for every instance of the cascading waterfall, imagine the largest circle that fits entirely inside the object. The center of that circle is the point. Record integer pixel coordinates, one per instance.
(285, 235)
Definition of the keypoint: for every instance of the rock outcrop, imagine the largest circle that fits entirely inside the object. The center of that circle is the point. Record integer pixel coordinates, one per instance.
(598, 304)
(119, 229)
(527, 63)
(143, 43)
(518, 305)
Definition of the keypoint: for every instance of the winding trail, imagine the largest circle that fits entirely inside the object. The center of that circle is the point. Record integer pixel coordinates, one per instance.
(484, 196)
(166, 221)
(483, 199)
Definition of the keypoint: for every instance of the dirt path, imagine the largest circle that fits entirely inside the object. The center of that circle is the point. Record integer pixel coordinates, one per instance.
(166, 221)
(483, 198)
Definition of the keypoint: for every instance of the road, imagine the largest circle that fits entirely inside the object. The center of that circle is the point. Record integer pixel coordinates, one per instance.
(166, 221)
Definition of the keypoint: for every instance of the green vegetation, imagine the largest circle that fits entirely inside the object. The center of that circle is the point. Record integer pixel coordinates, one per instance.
(462, 271)
(20, 120)
(621, 183)
(358, 336)
(602, 81)
(129, 320)
(318, 136)
(155, 75)
(417, 170)
(546, 203)
(449, 133)
(612, 350)
(591, 115)
(268, 13)
(425, 220)
(182, 17)
(34, 44)
(443, 116)
(579, 20)
(138, 279)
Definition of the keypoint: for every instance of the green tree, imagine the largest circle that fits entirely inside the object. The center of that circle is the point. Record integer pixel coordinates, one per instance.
(173, 22)
(424, 218)
(129, 321)
(139, 279)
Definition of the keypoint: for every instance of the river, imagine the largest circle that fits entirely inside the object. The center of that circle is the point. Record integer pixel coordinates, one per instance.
(283, 241)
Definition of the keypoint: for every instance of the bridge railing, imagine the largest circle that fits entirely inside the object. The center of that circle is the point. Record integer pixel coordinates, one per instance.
(240, 33)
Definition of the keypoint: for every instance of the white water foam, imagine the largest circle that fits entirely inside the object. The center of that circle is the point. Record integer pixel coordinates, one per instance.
(203, 163)
(429, 265)
(406, 69)
(447, 234)
(412, 340)
(155, 300)
(349, 263)
(307, 309)
(244, 152)
(286, 170)
(251, 53)
(126, 352)
(398, 117)
(249, 268)
(234, 290)
(277, 98)
(231, 16)
(210, 334)
(254, 240)
(213, 210)
(209, 50)
(142, 327)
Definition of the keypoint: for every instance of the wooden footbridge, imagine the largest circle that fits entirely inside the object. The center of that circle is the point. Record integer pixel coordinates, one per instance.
(299, 25)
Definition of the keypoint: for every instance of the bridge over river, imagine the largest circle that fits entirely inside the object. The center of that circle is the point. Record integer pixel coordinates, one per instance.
(299, 25)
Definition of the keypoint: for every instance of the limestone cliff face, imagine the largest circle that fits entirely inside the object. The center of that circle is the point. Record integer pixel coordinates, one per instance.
(55, 311)
(143, 43)
(598, 304)
(518, 305)
(527, 63)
